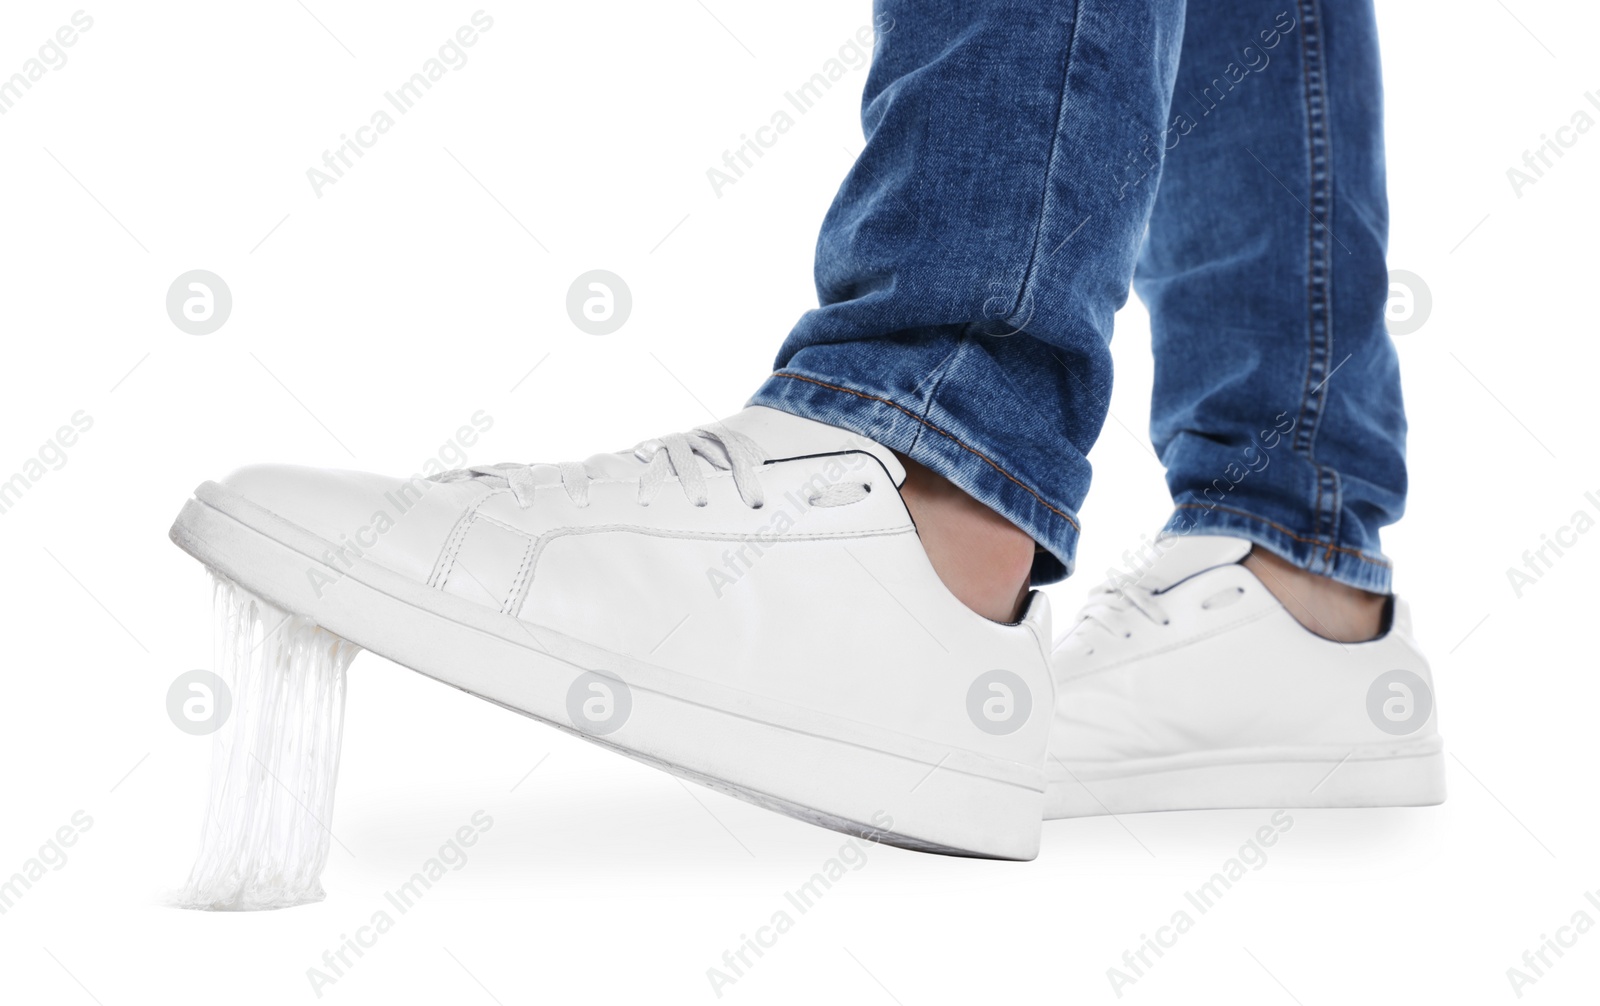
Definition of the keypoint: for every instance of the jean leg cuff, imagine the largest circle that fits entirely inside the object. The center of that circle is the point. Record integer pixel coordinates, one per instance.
(1350, 566)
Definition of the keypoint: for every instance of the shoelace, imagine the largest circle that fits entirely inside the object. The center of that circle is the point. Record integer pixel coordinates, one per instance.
(1112, 601)
(662, 457)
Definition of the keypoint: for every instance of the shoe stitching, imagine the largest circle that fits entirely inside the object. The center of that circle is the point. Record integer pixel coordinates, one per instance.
(452, 545)
(513, 599)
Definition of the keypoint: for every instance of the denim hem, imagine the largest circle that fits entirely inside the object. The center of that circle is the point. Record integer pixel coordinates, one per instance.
(1349, 566)
(943, 449)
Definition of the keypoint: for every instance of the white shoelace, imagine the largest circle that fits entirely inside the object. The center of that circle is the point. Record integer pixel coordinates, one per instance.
(1111, 604)
(662, 457)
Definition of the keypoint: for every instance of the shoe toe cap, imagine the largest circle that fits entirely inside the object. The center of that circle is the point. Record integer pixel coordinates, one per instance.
(397, 522)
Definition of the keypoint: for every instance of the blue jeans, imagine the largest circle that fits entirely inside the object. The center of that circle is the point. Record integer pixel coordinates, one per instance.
(1027, 159)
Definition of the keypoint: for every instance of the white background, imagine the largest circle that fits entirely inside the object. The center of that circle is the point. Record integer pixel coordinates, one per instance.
(370, 323)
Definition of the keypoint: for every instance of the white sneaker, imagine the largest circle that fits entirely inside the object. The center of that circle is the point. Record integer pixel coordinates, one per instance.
(1194, 687)
(746, 605)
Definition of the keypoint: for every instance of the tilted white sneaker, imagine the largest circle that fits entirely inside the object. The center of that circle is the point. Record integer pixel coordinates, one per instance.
(747, 605)
(1193, 687)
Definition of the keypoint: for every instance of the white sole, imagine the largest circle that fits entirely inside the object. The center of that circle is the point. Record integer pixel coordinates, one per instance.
(1405, 774)
(836, 773)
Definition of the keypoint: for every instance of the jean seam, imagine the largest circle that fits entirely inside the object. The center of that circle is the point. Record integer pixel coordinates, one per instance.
(1319, 267)
(1029, 273)
(947, 435)
(1327, 546)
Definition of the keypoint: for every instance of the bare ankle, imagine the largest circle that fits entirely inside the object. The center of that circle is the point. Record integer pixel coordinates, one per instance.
(980, 556)
(1324, 606)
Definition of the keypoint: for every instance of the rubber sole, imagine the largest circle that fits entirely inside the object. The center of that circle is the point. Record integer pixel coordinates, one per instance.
(1407, 774)
(835, 773)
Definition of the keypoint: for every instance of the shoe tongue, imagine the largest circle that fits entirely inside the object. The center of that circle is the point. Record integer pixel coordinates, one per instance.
(783, 435)
(1185, 555)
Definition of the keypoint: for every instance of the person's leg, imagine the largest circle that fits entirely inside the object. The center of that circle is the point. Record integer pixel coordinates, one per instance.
(1195, 682)
(688, 601)
(1277, 407)
(970, 266)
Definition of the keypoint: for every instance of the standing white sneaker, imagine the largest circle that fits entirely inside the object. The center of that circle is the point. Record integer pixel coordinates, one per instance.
(747, 605)
(1191, 687)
